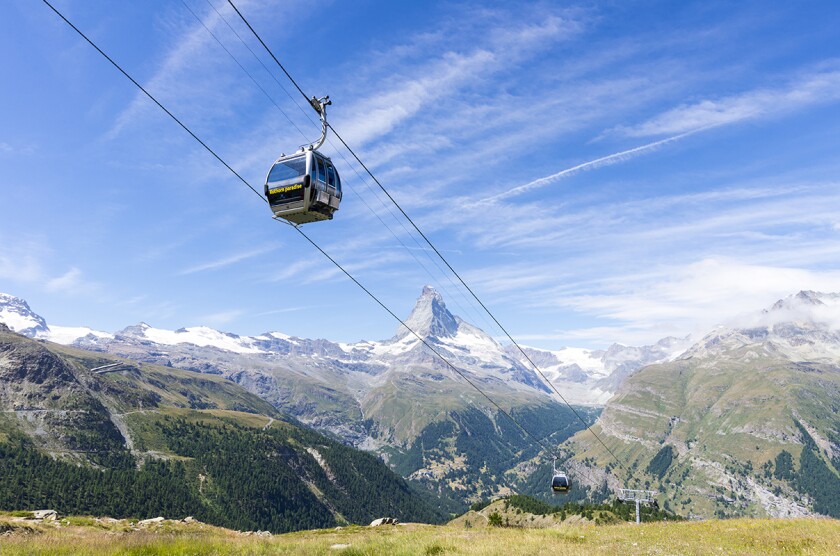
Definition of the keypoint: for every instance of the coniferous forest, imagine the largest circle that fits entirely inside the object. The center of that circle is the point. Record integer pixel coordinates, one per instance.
(229, 475)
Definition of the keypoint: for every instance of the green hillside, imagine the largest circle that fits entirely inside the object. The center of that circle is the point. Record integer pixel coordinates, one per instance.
(470, 454)
(157, 441)
(711, 434)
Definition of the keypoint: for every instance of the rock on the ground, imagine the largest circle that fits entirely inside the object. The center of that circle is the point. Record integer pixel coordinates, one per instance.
(47, 515)
(384, 521)
(151, 521)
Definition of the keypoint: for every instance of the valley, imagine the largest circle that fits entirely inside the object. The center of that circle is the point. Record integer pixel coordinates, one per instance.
(394, 397)
(740, 423)
(141, 440)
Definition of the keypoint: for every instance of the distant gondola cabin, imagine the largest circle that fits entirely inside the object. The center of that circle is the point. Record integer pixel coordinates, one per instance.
(560, 483)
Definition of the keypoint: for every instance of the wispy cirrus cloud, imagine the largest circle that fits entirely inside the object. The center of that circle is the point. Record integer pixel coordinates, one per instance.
(185, 71)
(8, 148)
(221, 317)
(21, 260)
(71, 282)
(808, 89)
(414, 87)
(608, 246)
(226, 261)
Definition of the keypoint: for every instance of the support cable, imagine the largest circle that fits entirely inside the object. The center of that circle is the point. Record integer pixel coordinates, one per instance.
(437, 252)
(534, 438)
(468, 309)
(153, 99)
(229, 53)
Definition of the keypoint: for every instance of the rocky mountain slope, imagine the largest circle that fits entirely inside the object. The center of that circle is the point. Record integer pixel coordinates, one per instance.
(745, 422)
(395, 397)
(155, 440)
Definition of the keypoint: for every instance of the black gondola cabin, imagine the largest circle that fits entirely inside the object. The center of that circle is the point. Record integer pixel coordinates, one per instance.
(560, 483)
(303, 187)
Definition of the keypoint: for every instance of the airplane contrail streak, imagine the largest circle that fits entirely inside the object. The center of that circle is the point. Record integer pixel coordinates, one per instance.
(597, 163)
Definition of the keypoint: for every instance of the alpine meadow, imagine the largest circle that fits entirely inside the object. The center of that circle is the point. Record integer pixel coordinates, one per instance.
(383, 278)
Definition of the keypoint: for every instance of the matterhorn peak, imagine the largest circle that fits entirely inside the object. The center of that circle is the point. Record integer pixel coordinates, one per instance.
(430, 317)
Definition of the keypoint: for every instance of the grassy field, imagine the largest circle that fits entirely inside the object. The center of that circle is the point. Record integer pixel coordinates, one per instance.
(743, 536)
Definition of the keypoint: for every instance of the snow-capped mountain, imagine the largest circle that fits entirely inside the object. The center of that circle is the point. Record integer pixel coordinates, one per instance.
(397, 398)
(719, 417)
(16, 314)
(801, 327)
(585, 377)
(592, 376)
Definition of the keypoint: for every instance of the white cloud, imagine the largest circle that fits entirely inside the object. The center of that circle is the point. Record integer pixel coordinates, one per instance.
(298, 268)
(414, 87)
(19, 267)
(695, 297)
(8, 148)
(187, 72)
(221, 317)
(226, 261)
(71, 282)
(663, 221)
(794, 309)
(815, 88)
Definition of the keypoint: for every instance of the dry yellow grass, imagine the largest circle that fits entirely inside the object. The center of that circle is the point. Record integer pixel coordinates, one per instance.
(743, 536)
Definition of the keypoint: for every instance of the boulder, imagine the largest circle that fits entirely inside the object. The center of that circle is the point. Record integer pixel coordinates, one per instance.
(151, 521)
(384, 521)
(47, 515)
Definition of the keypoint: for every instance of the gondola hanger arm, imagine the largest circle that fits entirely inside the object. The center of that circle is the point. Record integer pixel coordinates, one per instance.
(320, 106)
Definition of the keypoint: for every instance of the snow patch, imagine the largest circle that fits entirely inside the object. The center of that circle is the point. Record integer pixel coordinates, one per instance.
(201, 336)
(17, 321)
(68, 334)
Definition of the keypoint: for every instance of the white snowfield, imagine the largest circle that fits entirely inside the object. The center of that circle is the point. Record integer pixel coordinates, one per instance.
(201, 336)
(68, 334)
(17, 321)
(473, 342)
(583, 376)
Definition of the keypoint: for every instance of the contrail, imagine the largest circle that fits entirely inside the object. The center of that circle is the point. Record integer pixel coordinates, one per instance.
(597, 163)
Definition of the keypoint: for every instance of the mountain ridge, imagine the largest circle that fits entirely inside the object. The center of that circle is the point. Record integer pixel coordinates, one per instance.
(743, 423)
(589, 384)
(88, 432)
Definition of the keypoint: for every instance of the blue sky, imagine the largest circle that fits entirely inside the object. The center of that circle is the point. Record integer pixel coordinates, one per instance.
(598, 172)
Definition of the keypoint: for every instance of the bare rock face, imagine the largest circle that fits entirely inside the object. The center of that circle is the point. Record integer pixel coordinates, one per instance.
(430, 317)
(50, 400)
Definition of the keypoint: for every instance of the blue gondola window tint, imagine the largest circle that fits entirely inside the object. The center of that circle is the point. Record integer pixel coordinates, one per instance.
(321, 175)
(287, 170)
(331, 174)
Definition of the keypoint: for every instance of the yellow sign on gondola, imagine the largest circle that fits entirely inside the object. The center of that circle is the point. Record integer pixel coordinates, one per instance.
(286, 189)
